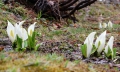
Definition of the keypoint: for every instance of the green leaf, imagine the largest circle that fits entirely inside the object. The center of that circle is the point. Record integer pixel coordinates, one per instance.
(66, 63)
(20, 49)
(36, 47)
(32, 41)
(38, 34)
(109, 53)
(14, 45)
(84, 50)
(29, 42)
(39, 15)
(99, 43)
(93, 49)
(114, 53)
(19, 42)
(25, 44)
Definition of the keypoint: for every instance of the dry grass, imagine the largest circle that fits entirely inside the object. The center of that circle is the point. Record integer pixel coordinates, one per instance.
(32, 62)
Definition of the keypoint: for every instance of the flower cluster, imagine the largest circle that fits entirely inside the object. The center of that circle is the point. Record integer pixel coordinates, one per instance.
(105, 25)
(20, 38)
(89, 47)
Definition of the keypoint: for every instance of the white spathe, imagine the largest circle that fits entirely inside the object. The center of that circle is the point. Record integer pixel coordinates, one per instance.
(100, 42)
(31, 29)
(21, 32)
(24, 34)
(104, 25)
(89, 43)
(18, 30)
(11, 31)
(100, 25)
(110, 24)
(21, 23)
(109, 45)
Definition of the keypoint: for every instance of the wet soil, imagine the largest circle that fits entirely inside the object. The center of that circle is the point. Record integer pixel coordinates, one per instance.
(70, 51)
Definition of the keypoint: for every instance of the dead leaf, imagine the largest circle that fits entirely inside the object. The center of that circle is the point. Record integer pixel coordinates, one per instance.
(116, 22)
(57, 26)
(1, 48)
(117, 65)
(114, 65)
(0, 22)
(95, 28)
(76, 25)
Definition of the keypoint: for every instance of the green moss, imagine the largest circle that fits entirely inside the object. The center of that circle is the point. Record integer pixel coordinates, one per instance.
(31, 62)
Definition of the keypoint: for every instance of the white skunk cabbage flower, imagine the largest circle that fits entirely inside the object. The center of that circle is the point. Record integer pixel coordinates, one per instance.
(100, 42)
(109, 45)
(21, 23)
(24, 34)
(21, 32)
(100, 25)
(11, 32)
(31, 29)
(104, 25)
(89, 43)
(110, 24)
(18, 30)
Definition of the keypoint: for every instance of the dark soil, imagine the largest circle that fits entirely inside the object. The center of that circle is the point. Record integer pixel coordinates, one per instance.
(70, 51)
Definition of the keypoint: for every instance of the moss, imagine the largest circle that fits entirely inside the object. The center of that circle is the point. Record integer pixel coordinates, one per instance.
(32, 62)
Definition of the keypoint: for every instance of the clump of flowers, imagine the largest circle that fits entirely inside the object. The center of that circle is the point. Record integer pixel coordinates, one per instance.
(105, 25)
(20, 38)
(110, 52)
(110, 24)
(98, 47)
(88, 44)
(100, 42)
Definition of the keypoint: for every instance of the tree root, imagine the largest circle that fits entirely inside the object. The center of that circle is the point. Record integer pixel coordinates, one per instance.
(57, 8)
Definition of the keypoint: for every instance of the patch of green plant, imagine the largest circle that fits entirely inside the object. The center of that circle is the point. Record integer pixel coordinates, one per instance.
(39, 15)
(48, 17)
(96, 49)
(54, 57)
(1, 4)
(115, 26)
(76, 30)
(56, 32)
(69, 21)
(77, 61)
(20, 11)
(66, 63)
(2, 56)
(20, 38)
